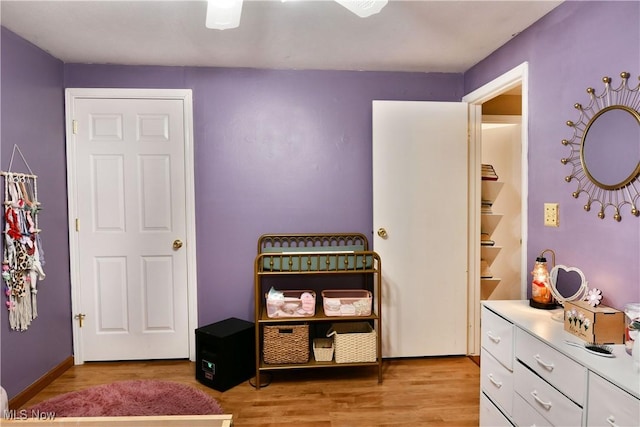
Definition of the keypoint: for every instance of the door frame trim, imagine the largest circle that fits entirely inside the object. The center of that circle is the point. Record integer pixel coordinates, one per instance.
(71, 94)
(518, 76)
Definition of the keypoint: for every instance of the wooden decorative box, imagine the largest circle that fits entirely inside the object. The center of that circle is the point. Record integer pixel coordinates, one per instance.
(600, 325)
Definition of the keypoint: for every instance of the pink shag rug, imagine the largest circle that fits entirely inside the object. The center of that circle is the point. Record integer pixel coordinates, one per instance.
(131, 398)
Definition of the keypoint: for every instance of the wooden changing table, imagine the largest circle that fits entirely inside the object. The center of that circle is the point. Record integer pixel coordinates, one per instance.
(323, 257)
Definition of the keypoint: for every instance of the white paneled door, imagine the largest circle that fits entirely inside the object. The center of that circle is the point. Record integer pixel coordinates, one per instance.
(420, 214)
(128, 177)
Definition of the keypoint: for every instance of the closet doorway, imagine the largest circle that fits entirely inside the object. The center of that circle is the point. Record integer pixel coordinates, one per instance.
(514, 222)
(131, 223)
(502, 148)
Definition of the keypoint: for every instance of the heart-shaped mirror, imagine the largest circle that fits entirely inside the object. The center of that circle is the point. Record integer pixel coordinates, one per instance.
(567, 284)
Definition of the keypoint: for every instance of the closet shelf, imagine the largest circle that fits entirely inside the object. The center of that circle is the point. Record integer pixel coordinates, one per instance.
(489, 222)
(491, 189)
(489, 253)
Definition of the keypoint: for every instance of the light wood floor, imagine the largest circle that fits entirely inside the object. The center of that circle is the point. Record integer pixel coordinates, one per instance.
(415, 392)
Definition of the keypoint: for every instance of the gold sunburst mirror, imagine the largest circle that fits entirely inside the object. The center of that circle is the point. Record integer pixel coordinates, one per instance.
(605, 148)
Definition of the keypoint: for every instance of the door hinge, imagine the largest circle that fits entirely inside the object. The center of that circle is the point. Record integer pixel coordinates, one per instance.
(80, 317)
(77, 224)
(74, 126)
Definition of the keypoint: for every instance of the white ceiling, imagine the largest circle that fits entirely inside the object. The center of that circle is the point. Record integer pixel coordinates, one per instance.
(426, 36)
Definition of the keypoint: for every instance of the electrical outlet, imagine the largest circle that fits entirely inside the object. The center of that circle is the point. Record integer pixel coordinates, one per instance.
(551, 215)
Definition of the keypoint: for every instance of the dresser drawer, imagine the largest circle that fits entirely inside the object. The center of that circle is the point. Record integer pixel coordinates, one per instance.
(490, 415)
(610, 406)
(525, 416)
(496, 381)
(562, 372)
(497, 337)
(555, 407)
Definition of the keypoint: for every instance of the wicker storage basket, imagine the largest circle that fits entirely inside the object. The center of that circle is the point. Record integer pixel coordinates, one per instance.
(354, 342)
(323, 349)
(285, 344)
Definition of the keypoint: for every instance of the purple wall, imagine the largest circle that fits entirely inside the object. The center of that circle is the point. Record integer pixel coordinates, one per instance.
(571, 49)
(276, 151)
(33, 118)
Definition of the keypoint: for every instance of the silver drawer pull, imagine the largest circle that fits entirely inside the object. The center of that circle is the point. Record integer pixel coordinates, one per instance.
(545, 405)
(494, 381)
(493, 338)
(612, 421)
(547, 366)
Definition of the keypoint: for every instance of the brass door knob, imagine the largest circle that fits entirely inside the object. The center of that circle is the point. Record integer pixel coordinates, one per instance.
(382, 233)
(177, 244)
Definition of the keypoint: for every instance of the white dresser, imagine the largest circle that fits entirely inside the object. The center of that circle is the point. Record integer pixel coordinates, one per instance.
(531, 377)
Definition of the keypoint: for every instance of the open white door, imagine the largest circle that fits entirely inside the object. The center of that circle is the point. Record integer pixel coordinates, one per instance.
(131, 240)
(420, 218)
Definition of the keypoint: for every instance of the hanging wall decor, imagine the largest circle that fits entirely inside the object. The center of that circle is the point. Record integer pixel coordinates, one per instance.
(605, 154)
(23, 258)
